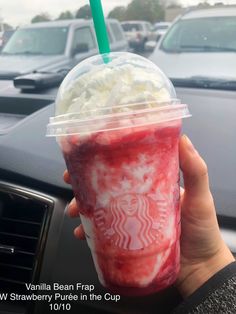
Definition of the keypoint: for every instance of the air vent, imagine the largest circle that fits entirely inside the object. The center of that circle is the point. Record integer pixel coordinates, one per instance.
(24, 218)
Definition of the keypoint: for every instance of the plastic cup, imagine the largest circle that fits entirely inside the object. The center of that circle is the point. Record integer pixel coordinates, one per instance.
(118, 125)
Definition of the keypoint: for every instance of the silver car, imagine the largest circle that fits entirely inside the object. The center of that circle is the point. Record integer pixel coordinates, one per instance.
(137, 33)
(55, 46)
(200, 47)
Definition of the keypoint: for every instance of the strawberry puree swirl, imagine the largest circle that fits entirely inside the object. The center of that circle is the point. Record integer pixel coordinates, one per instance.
(127, 188)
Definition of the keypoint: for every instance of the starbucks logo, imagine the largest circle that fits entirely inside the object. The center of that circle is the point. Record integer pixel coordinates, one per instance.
(132, 221)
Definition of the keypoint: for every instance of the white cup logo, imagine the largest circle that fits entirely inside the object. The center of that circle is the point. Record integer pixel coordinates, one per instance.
(128, 224)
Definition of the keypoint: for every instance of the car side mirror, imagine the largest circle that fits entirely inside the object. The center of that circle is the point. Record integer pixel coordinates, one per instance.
(80, 48)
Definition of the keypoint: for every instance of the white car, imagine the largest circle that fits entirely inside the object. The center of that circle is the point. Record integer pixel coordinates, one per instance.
(200, 45)
(1, 39)
(137, 33)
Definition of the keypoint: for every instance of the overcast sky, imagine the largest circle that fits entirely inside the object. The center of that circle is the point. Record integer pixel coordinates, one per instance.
(18, 12)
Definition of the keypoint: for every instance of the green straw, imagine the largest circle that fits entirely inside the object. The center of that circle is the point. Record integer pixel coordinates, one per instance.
(100, 26)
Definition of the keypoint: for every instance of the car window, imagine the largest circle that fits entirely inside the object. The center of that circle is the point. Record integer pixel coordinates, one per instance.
(148, 27)
(7, 34)
(116, 31)
(204, 34)
(83, 35)
(42, 41)
(129, 27)
(109, 34)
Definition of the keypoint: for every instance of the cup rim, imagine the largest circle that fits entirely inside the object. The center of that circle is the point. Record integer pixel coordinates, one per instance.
(72, 123)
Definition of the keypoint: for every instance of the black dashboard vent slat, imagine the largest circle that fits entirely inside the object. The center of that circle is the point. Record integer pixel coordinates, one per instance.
(23, 220)
(16, 235)
(15, 266)
(11, 282)
(21, 275)
(18, 242)
(7, 284)
(23, 259)
(23, 227)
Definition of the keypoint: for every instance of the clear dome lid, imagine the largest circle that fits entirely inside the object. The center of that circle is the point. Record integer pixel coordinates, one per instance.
(111, 86)
(110, 81)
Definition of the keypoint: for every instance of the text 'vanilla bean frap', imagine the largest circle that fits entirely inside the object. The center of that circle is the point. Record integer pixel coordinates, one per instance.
(118, 123)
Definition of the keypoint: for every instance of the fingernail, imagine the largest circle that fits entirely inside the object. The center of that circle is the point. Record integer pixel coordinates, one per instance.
(71, 204)
(67, 211)
(189, 144)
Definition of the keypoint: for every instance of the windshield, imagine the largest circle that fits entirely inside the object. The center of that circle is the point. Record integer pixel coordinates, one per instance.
(211, 34)
(37, 41)
(184, 40)
(129, 27)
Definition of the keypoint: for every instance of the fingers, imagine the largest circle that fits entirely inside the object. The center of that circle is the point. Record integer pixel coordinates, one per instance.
(66, 177)
(79, 232)
(194, 169)
(181, 191)
(197, 204)
(73, 209)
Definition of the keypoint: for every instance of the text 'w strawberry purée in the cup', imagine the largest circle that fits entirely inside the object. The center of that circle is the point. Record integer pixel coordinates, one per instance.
(118, 125)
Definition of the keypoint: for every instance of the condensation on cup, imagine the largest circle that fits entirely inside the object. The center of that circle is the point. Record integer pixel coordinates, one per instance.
(118, 124)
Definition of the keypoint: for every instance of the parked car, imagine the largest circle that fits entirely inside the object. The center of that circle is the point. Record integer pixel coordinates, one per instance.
(159, 29)
(5, 36)
(1, 41)
(201, 44)
(54, 46)
(137, 33)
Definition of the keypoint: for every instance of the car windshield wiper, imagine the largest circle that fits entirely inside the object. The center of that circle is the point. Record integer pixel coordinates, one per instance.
(27, 52)
(205, 82)
(207, 48)
(5, 53)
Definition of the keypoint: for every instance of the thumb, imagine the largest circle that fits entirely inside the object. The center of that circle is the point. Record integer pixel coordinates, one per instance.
(196, 182)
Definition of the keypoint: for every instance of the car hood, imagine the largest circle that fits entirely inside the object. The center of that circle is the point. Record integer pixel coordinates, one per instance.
(187, 65)
(12, 66)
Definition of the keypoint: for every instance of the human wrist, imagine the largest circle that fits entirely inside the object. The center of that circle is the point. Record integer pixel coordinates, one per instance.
(200, 272)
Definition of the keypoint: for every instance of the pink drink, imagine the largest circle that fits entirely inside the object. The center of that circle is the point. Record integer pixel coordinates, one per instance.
(118, 124)
(126, 183)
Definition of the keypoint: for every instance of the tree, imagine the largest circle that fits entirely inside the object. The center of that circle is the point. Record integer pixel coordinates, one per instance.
(42, 17)
(148, 10)
(118, 13)
(84, 12)
(205, 4)
(5, 27)
(67, 15)
(170, 3)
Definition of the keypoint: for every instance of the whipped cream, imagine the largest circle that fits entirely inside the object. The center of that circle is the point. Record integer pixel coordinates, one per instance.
(115, 87)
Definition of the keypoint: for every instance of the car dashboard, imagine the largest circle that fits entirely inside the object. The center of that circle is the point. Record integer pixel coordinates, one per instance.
(36, 236)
